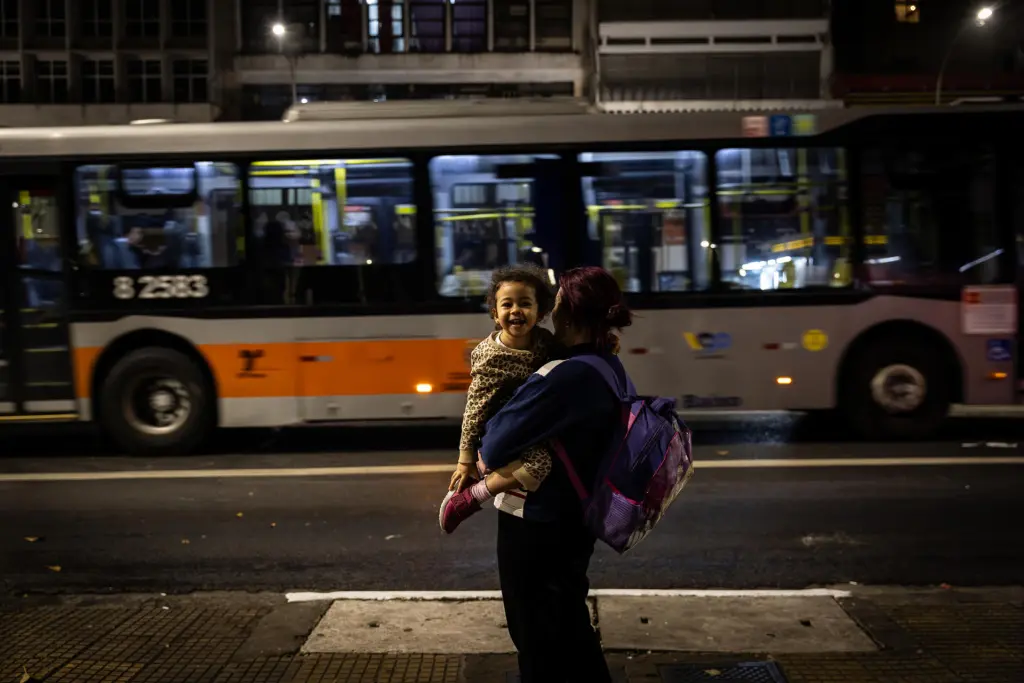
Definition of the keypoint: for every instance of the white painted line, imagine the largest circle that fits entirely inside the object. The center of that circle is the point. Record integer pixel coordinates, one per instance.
(370, 470)
(595, 593)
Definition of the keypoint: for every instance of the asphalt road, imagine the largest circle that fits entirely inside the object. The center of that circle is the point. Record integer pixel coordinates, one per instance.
(745, 527)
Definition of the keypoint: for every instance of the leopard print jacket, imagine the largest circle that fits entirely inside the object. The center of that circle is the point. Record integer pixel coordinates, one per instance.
(497, 371)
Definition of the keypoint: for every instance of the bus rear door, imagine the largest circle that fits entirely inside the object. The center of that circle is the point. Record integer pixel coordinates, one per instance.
(35, 358)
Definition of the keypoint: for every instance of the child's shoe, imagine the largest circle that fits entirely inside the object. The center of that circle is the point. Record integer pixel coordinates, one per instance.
(457, 507)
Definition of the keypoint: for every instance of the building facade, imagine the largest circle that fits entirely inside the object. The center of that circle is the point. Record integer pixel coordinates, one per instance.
(72, 62)
(713, 54)
(398, 49)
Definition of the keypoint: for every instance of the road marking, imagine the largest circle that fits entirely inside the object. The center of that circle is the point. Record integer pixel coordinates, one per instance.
(371, 470)
(595, 593)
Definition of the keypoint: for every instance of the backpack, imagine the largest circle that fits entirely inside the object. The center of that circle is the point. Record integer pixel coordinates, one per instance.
(645, 468)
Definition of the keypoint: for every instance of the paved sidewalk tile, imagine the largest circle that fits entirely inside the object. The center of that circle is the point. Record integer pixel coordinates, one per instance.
(935, 638)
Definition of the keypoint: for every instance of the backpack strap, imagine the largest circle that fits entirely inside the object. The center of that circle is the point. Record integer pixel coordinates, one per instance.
(609, 375)
(625, 396)
(574, 477)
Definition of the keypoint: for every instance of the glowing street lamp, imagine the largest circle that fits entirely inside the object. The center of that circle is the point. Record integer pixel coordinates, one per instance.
(981, 18)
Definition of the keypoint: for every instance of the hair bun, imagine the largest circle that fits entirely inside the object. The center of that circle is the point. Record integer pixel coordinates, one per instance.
(619, 316)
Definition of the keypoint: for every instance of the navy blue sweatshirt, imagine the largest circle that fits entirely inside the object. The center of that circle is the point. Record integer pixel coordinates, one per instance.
(567, 400)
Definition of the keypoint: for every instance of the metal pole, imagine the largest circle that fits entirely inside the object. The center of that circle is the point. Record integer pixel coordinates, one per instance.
(292, 63)
(945, 61)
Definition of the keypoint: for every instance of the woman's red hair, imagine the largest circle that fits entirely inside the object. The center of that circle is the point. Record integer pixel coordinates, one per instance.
(593, 301)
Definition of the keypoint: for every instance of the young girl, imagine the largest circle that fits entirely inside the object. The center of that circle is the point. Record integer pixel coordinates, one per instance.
(519, 298)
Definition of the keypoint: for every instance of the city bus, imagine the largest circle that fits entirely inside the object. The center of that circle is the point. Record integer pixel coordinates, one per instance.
(167, 280)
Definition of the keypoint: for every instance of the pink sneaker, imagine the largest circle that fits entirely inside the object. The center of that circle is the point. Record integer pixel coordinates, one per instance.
(456, 508)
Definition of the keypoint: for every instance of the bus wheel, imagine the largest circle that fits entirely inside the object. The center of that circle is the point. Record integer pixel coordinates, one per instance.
(897, 389)
(155, 401)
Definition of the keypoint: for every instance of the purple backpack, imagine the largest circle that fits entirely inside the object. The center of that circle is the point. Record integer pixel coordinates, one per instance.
(645, 468)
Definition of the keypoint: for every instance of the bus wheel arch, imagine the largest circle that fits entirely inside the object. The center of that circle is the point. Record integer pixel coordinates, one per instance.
(914, 364)
(155, 348)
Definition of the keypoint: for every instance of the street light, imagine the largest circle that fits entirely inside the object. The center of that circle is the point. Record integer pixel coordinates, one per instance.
(980, 19)
(281, 33)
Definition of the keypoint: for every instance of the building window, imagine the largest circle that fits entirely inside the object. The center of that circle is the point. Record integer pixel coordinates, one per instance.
(469, 26)
(784, 218)
(426, 24)
(302, 17)
(52, 81)
(344, 28)
(144, 80)
(98, 81)
(190, 80)
(10, 82)
(96, 18)
(511, 25)
(142, 18)
(554, 25)
(188, 18)
(257, 18)
(907, 12)
(51, 22)
(387, 34)
(8, 18)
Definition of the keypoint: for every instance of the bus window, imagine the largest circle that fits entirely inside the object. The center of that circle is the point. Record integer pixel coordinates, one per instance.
(484, 218)
(929, 216)
(333, 212)
(784, 218)
(174, 235)
(648, 214)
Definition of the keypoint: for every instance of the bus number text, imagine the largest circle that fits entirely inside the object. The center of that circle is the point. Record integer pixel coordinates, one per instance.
(162, 287)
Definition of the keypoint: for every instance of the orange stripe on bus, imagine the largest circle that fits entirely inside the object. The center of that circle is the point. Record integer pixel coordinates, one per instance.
(349, 368)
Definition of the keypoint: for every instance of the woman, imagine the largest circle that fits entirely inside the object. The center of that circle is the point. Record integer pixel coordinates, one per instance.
(544, 548)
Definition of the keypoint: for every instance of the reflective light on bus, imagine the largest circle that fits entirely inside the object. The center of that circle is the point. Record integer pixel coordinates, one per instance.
(967, 266)
(784, 380)
(877, 261)
(997, 375)
(424, 388)
(551, 275)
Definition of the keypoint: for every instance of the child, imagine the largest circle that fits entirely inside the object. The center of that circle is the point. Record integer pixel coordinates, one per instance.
(519, 298)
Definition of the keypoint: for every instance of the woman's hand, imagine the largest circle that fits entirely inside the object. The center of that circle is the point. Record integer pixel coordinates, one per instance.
(462, 476)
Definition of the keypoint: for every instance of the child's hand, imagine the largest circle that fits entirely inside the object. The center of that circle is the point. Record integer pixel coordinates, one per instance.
(462, 476)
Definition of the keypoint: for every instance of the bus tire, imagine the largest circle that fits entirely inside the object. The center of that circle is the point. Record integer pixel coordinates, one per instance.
(897, 389)
(156, 401)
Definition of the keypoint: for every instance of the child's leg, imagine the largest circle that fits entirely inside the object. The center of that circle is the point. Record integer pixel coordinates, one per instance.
(503, 480)
(535, 466)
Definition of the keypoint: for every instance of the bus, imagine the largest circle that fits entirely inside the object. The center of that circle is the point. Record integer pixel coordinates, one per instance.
(167, 280)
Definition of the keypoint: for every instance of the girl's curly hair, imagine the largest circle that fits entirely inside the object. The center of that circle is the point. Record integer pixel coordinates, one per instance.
(527, 274)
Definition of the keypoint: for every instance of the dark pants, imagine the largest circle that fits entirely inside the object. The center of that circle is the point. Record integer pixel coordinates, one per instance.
(544, 586)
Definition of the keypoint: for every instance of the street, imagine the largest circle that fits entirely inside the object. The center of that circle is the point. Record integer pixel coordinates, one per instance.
(269, 558)
(741, 523)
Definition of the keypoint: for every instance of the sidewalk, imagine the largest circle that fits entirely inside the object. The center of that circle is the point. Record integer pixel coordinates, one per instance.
(874, 635)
